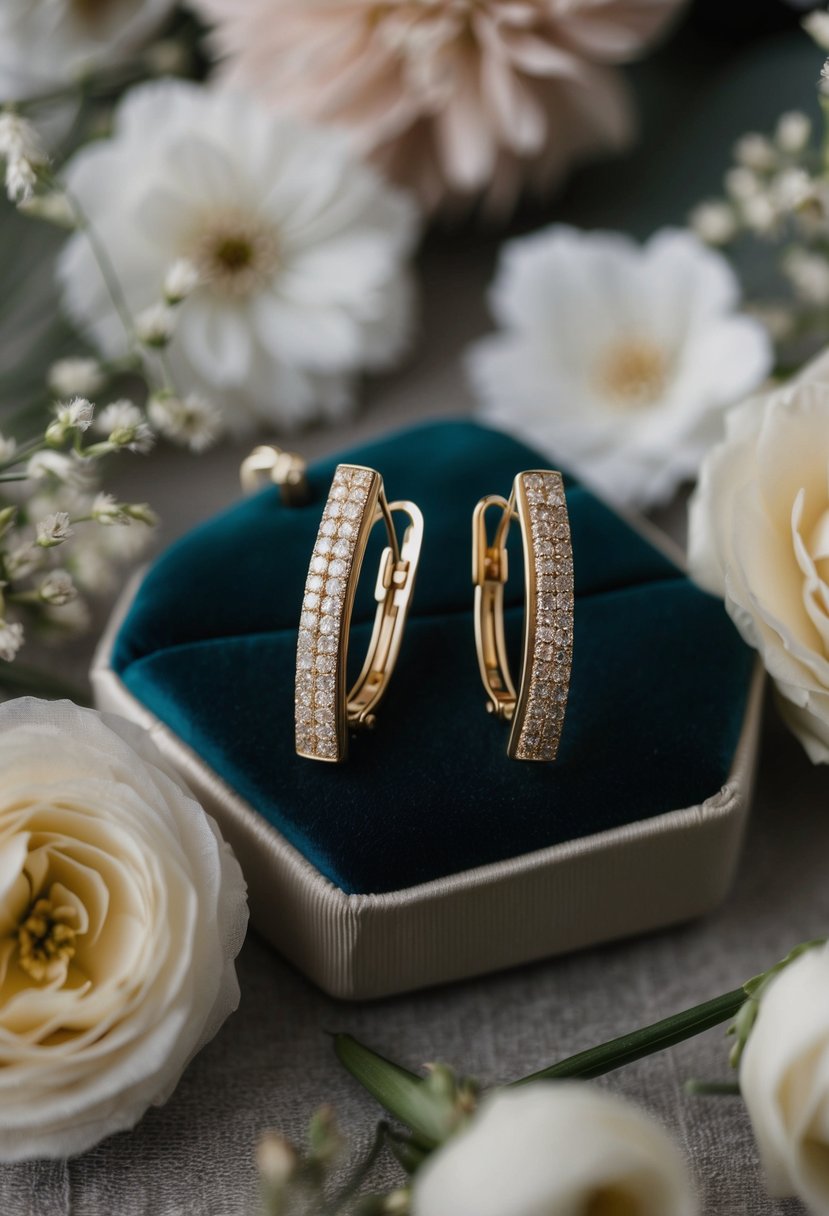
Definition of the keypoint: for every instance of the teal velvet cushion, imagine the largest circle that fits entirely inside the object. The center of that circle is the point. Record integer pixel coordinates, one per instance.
(659, 683)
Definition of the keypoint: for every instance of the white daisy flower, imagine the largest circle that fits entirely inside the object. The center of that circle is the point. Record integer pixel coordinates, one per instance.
(617, 360)
(300, 250)
(54, 530)
(57, 588)
(191, 422)
(49, 42)
(11, 639)
(76, 377)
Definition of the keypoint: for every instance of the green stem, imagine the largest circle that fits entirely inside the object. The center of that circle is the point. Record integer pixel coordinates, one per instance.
(360, 1174)
(596, 1061)
(22, 680)
(712, 1088)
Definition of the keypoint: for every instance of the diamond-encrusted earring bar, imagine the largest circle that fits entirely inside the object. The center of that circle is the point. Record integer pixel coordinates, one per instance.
(548, 621)
(324, 711)
(536, 711)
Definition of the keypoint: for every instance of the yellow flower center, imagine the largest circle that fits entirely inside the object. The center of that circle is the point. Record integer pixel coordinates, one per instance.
(46, 941)
(235, 253)
(611, 1201)
(633, 373)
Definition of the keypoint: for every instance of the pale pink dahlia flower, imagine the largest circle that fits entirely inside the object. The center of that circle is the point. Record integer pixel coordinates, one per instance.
(454, 98)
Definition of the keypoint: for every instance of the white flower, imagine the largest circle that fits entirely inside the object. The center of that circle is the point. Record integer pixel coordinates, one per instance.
(714, 222)
(180, 281)
(741, 184)
(22, 561)
(808, 273)
(816, 25)
(759, 535)
(823, 82)
(57, 588)
(105, 510)
(53, 529)
(77, 377)
(8, 449)
(793, 131)
(756, 152)
(11, 639)
(154, 326)
(760, 214)
(618, 361)
(23, 153)
(70, 416)
(125, 427)
(784, 1078)
(73, 470)
(557, 1148)
(300, 250)
(191, 422)
(44, 43)
(98, 836)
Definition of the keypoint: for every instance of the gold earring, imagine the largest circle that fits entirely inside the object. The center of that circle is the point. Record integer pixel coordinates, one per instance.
(536, 711)
(325, 711)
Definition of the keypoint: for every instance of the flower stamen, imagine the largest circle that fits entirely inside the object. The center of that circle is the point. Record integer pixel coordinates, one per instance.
(46, 942)
(633, 373)
(234, 253)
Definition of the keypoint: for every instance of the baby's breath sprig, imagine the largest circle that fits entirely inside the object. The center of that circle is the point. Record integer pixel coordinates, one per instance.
(777, 191)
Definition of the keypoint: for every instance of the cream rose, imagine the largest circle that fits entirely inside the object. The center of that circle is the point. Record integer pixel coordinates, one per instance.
(784, 1078)
(561, 1148)
(759, 536)
(121, 912)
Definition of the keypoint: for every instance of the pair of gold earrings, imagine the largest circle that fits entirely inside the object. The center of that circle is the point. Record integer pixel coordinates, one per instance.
(326, 711)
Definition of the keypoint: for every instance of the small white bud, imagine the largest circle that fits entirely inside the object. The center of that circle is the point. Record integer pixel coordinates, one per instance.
(760, 214)
(23, 153)
(11, 639)
(53, 208)
(792, 188)
(154, 326)
(53, 530)
(793, 131)
(57, 588)
(181, 279)
(276, 1159)
(714, 222)
(808, 274)
(755, 152)
(23, 561)
(816, 26)
(77, 377)
(741, 184)
(105, 510)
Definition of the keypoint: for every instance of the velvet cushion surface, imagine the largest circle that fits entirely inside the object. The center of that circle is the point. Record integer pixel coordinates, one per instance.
(658, 693)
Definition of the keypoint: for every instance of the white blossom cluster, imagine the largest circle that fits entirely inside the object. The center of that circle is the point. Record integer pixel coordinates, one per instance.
(777, 191)
(58, 542)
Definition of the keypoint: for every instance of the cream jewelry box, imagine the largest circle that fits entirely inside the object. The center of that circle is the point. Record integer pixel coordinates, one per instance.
(431, 856)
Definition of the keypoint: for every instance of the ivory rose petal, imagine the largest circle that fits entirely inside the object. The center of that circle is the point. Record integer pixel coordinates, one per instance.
(121, 914)
(759, 536)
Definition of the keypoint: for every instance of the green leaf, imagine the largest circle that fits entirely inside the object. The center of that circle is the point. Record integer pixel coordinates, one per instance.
(403, 1094)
